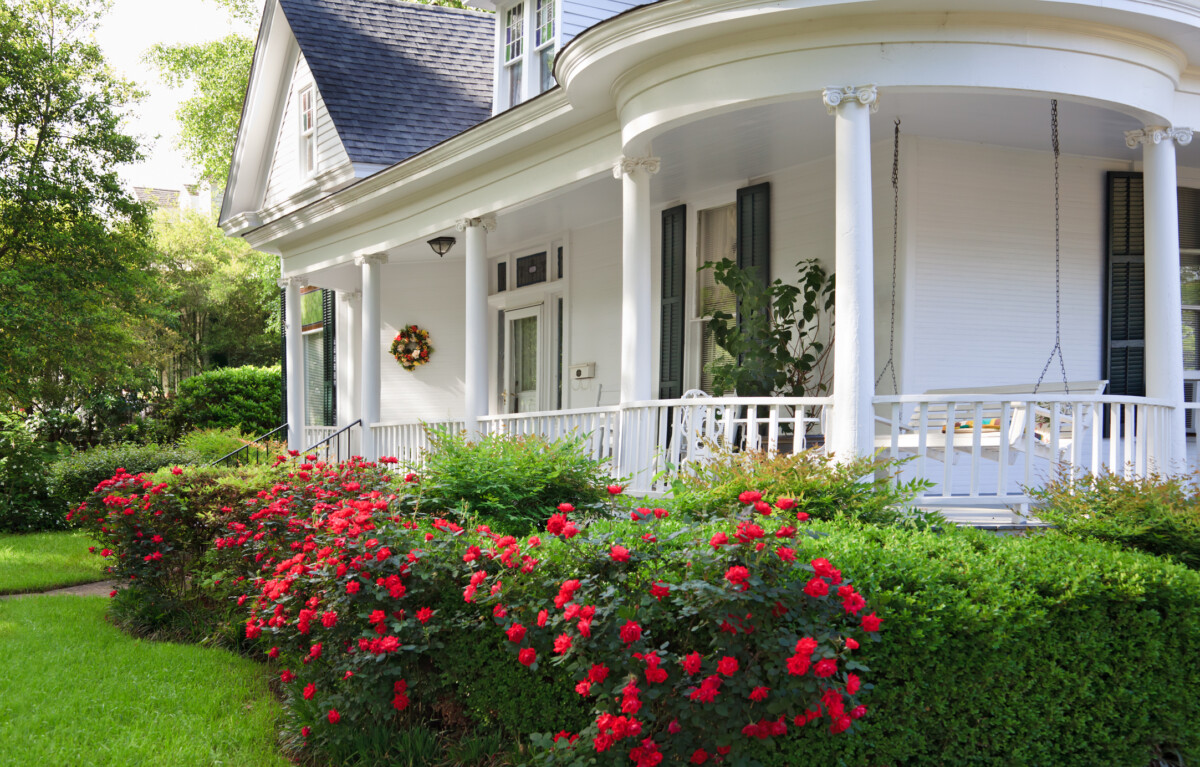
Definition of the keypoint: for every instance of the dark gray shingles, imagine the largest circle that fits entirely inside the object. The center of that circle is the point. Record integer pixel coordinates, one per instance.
(397, 77)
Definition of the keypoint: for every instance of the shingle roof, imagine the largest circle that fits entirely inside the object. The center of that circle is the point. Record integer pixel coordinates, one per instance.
(397, 77)
(159, 198)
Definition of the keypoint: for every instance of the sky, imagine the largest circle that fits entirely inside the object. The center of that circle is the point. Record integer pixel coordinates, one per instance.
(125, 33)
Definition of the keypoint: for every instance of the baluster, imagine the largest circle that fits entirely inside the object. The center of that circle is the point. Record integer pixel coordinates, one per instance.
(1055, 427)
(1130, 435)
(976, 447)
(1002, 457)
(894, 450)
(948, 450)
(1030, 440)
(922, 438)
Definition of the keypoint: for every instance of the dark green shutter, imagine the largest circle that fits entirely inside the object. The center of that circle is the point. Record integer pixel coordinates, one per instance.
(1125, 289)
(283, 360)
(754, 232)
(329, 340)
(671, 322)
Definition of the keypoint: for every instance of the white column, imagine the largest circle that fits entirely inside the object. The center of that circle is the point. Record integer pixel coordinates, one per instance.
(349, 363)
(476, 305)
(637, 335)
(295, 360)
(853, 421)
(372, 346)
(1164, 299)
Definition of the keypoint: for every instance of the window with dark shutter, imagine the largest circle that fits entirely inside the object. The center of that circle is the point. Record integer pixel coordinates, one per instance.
(671, 323)
(754, 230)
(1125, 294)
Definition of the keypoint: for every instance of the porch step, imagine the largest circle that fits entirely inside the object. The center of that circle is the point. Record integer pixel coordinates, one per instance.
(987, 518)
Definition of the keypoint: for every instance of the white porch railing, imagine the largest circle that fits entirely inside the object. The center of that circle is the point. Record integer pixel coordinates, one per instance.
(409, 441)
(979, 450)
(315, 434)
(597, 425)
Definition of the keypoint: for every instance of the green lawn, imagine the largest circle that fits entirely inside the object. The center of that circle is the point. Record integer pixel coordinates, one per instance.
(41, 561)
(76, 691)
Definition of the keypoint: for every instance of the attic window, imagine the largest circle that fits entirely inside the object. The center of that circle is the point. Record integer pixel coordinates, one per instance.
(308, 131)
(514, 39)
(523, 71)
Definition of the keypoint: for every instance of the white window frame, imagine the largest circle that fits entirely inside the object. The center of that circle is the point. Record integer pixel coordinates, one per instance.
(307, 124)
(529, 58)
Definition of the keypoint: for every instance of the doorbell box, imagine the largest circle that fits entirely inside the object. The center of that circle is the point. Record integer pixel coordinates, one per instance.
(580, 372)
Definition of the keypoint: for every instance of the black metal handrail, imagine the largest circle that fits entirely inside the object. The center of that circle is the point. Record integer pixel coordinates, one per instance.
(258, 449)
(334, 443)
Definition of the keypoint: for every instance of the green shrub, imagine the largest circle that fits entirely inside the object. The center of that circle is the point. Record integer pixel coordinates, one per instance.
(247, 398)
(820, 486)
(211, 444)
(26, 503)
(73, 477)
(510, 483)
(1159, 515)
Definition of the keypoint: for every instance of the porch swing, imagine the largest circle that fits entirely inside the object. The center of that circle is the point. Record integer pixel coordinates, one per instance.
(997, 428)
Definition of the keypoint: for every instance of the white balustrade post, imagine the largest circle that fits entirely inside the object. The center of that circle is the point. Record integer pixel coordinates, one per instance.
(295, 360)
(476, 305)
(637, 335)
(1164, 300)
(349, 364)
(853, 422)
(372, 347)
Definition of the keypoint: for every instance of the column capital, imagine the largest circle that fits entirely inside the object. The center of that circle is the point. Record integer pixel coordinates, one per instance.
(287, 282)
(627, 165)
(375, 259)
(487, 222)
(835, 96)
(1156, 134)
(350, 296)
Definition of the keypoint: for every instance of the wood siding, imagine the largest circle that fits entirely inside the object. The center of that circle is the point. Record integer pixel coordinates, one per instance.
(578, 15)
(284, 179)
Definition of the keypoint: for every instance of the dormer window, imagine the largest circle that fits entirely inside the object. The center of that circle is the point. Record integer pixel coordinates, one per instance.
(308, 131)
(528, 42)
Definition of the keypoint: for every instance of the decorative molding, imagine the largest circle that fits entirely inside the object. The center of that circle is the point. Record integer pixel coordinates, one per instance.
(351, 297)
(375, 259)
(835, 96)
(1156, 134)
(285, 282)
(629, 164)
(487, 222)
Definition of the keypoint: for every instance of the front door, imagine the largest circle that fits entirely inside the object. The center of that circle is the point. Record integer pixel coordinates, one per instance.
(523, 361)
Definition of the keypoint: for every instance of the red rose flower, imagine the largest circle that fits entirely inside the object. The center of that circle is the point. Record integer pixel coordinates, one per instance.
(691, 663)
(786, 554)
(543, 615)
(825, 667)
(871, 622)
(851, 644)
(797, 665)
(566, 508)
(699, 756)
(759, 693)
(630, 632)
(785, 504)
(615, 489)
(562, 643)
(598, 673)
(801, 516)
(659, 590)
(527, 656)
(853, 683)
(516, 632)
(806, 646)
(737, 575)
(584, 688)
(816, 588)
(727, 666)
(619, 553)
(762, 507)
(424, 614)
(309, 691)
(858, 712)
(718, 540)
(287, 676)
(749, 497)
(334, 716)
(352, 587)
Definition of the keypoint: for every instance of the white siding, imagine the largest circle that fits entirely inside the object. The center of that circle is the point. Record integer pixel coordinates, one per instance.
(285, 178)
(594, 306)
(982, 299)
(578, 15)
(428, 295)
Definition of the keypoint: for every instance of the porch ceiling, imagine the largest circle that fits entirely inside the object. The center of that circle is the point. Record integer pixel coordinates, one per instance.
(743, 145)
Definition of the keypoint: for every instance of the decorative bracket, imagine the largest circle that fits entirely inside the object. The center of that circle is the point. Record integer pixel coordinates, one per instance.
(1156, 134)
(835, 96)
(628, 165)
(487, 222)
(375, 259)
(351, 297)
(300, 282)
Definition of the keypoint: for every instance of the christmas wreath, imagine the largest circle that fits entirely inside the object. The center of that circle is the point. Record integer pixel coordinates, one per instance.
(411, 347)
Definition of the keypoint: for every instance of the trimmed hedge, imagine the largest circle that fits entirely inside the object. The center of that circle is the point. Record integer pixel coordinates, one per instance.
(249, 398)
(73, 477)
(26, 502)
(1043, 650)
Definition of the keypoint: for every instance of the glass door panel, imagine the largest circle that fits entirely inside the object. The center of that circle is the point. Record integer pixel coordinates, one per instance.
(522, 393)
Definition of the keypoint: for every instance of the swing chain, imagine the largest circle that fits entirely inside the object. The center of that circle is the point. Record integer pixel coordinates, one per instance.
(890, 366)
(1057, 262)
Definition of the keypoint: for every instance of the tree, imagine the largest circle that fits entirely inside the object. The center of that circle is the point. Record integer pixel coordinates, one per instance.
(74, 294)
(221, 293)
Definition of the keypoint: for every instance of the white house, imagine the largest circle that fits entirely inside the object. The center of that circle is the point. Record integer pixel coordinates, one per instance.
(587, 156)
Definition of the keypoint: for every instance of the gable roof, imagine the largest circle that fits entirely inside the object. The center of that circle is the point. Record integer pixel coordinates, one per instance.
(397, 77)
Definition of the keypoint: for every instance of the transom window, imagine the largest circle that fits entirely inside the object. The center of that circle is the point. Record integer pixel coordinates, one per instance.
(528, 43)
(308, 130)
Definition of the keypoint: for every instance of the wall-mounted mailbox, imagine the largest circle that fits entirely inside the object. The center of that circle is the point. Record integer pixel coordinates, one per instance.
(580, 372)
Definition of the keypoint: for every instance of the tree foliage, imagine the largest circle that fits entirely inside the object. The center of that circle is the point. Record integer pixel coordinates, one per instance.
(72, 241)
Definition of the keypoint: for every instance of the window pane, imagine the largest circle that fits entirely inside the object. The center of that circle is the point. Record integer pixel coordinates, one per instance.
(545, 69)
(514, 83)
(531, 269)
(718, 232)
(514, 30)
(314, 377)
(545, 21)
(1191, 339)
(1189, 276)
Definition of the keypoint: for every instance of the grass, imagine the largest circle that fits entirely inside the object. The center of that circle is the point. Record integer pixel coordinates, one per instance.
(41, 561)
(76, 691)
